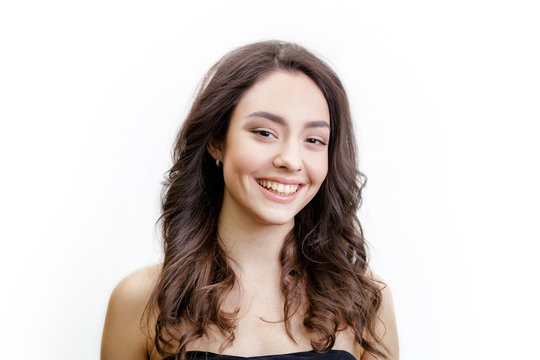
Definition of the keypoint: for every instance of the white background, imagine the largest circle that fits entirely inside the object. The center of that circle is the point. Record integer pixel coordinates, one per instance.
(445, 97)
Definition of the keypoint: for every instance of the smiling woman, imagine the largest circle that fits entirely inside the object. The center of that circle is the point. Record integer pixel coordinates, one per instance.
(264, 254)
(276, 150)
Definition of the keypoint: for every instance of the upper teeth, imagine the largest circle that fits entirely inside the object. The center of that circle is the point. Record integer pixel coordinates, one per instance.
(281, 189)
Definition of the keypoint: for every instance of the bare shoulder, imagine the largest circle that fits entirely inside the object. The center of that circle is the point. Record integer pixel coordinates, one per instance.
(138, 285)
(124, 335)
(386, 327)
(382, 284)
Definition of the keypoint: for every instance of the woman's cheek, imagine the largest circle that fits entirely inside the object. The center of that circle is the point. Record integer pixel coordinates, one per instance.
(317, 164)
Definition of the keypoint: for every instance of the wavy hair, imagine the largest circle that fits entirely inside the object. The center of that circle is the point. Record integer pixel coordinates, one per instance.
(323, 259)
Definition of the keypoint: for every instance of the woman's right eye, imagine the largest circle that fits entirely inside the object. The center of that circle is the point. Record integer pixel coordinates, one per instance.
(263, 133)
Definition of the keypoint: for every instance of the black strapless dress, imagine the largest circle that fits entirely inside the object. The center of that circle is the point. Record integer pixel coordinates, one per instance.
(302, 355)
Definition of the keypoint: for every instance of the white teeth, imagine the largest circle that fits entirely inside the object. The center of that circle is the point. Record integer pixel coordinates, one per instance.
(278, 188)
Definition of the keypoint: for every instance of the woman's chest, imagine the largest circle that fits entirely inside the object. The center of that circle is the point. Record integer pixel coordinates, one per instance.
(261, 329)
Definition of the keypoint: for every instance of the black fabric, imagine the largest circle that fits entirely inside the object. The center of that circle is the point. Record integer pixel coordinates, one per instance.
(303, 355)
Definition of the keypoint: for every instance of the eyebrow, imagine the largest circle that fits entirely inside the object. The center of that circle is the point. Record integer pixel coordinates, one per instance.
(280, 120)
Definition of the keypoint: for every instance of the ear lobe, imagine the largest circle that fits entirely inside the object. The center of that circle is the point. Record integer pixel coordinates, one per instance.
(214, 149)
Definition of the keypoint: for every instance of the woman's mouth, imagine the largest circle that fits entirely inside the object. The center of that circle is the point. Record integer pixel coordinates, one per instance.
(278, 188)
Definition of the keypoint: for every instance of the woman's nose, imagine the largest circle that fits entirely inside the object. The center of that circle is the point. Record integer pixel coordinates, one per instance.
(289, 157)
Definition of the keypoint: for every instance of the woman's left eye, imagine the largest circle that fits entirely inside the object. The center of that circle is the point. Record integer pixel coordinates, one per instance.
(263, 133)
(315, 141)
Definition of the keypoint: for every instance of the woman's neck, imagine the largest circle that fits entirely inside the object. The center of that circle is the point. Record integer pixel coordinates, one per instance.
(253, 248)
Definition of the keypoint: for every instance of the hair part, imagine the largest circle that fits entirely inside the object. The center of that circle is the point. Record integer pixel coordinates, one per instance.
(324, 259)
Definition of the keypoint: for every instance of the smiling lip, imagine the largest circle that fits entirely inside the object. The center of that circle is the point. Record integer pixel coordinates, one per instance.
(281, 180)
(272, 196)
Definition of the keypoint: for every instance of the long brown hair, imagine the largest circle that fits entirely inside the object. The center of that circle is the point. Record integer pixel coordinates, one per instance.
(324, 260)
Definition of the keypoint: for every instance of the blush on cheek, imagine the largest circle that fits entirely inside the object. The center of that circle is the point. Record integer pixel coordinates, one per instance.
(318, 171)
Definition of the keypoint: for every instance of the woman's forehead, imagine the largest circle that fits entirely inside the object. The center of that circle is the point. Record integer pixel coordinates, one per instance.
(286, 96)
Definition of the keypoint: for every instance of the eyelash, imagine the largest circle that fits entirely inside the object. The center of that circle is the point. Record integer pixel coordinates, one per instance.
(316, 141)
(260, 133)
(268, 134)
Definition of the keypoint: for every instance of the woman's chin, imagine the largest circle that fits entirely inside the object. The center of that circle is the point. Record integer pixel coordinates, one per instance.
(277, 219)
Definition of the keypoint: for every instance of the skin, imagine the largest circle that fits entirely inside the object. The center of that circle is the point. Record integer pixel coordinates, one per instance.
(279, 131)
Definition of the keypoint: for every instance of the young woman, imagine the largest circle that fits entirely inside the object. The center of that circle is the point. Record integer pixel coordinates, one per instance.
(264, 254)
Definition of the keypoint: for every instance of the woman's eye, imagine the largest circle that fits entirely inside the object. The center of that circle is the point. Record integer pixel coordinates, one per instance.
(263, 133)
(315, 141)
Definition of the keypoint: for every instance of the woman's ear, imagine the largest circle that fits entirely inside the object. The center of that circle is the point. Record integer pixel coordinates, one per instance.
(214, 148)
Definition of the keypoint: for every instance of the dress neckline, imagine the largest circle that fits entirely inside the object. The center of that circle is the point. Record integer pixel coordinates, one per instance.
(296, 353)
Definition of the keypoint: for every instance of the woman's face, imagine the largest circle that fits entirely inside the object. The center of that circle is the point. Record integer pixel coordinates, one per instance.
(275, 154)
